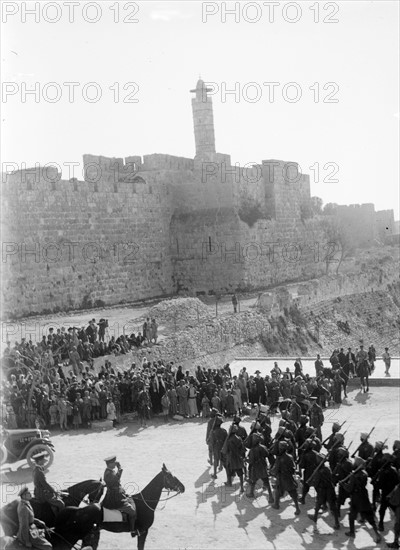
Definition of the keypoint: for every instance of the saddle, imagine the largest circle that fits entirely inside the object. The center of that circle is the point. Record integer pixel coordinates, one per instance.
(114, 516)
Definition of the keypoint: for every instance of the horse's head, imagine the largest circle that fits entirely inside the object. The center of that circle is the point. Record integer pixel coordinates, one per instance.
(172, 483)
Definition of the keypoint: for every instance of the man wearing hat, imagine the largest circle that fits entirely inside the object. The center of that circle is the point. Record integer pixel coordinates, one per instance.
(301, 432)
(295, 410)
(356, 486)
(365, 450)
(217, 438)
(260, 384)
(316, 416)
(343, 468)
(258, 467)
(235, 453)
(325, 491)
(373, 467)
(210, 426)
(331, 440)
(307, 463)
(386, 478)
(43, 491)
(116, 498)
(28, 524)
(284, 470)
(387, 360)
(396, 454)
(241, 432)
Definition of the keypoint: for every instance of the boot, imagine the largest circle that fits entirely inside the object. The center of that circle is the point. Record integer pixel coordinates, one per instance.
(350, 534)
(380, 526)
(251, 491)
(394, 544)
(228, 482)
(336, 518)
(275, 504)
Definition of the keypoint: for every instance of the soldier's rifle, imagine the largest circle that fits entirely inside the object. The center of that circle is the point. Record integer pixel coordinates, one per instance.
(351, 474)
(277, 438)
(354, 454)
(326, 457)
(313, 434)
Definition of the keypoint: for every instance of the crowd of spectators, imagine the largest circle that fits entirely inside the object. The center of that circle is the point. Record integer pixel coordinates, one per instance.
(36, 388)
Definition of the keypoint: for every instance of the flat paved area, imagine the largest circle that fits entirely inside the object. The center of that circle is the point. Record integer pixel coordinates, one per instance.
(207, 516)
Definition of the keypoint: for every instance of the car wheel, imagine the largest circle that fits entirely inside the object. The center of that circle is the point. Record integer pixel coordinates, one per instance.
(39, 448)
(3, 455)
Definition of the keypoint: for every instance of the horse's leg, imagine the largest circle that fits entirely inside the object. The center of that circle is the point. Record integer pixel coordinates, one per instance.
(141, 540)
(92, 539)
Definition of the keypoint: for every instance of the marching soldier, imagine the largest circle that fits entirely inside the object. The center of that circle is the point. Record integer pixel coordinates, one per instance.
(338, 442)
(258, 467)
(218, 438)
(301, 433)
(284, 471)
(343, 468)
(241, 432)
(373, 467)
(235, 453)
(295, 411)
(386, 479)
(308, 463)
(365, 450)
(396, 454)
(356, 486)
(116, 498)
(210, 425)
(325, 488)
(316, 416)
(332, 440)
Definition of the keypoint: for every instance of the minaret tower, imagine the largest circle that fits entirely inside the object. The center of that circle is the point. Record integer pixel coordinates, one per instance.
(203, 121)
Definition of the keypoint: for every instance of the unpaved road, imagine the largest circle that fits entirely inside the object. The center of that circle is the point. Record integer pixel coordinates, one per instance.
(206, 516)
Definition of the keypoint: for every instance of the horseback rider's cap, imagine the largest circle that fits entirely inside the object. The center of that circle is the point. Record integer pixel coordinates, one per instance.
(23, 491)
(396, 445)
(237, 419)
(112, 458)
(336, 426)
(364, 435)
(40, 455)
(379, 445)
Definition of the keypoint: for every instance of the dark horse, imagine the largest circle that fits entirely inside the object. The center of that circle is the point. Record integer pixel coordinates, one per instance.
(72, 498)
(90, 518)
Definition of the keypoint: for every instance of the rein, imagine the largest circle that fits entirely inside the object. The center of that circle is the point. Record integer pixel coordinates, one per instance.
(157, 500)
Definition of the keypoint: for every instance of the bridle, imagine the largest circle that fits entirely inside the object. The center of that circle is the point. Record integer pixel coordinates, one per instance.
(86, 497)
(178, 491)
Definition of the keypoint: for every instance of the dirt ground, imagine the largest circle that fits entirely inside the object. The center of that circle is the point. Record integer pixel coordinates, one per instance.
(207, 516)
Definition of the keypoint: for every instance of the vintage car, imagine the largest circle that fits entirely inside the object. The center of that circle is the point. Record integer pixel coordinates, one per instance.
(23, 444)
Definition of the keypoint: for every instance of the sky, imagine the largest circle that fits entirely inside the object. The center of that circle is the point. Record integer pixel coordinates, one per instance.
(334, 109)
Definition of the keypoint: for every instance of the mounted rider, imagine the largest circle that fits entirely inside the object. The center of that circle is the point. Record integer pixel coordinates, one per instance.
(43, 491)
(116, 498)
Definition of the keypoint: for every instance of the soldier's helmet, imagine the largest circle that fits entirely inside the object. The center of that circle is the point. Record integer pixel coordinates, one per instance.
(387, 457)
(283, 446)
(342, 452)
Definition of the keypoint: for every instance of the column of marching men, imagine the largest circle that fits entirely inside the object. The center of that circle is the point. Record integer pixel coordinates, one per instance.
(296, 451)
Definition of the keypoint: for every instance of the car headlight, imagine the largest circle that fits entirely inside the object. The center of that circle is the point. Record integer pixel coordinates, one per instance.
(45, 434)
